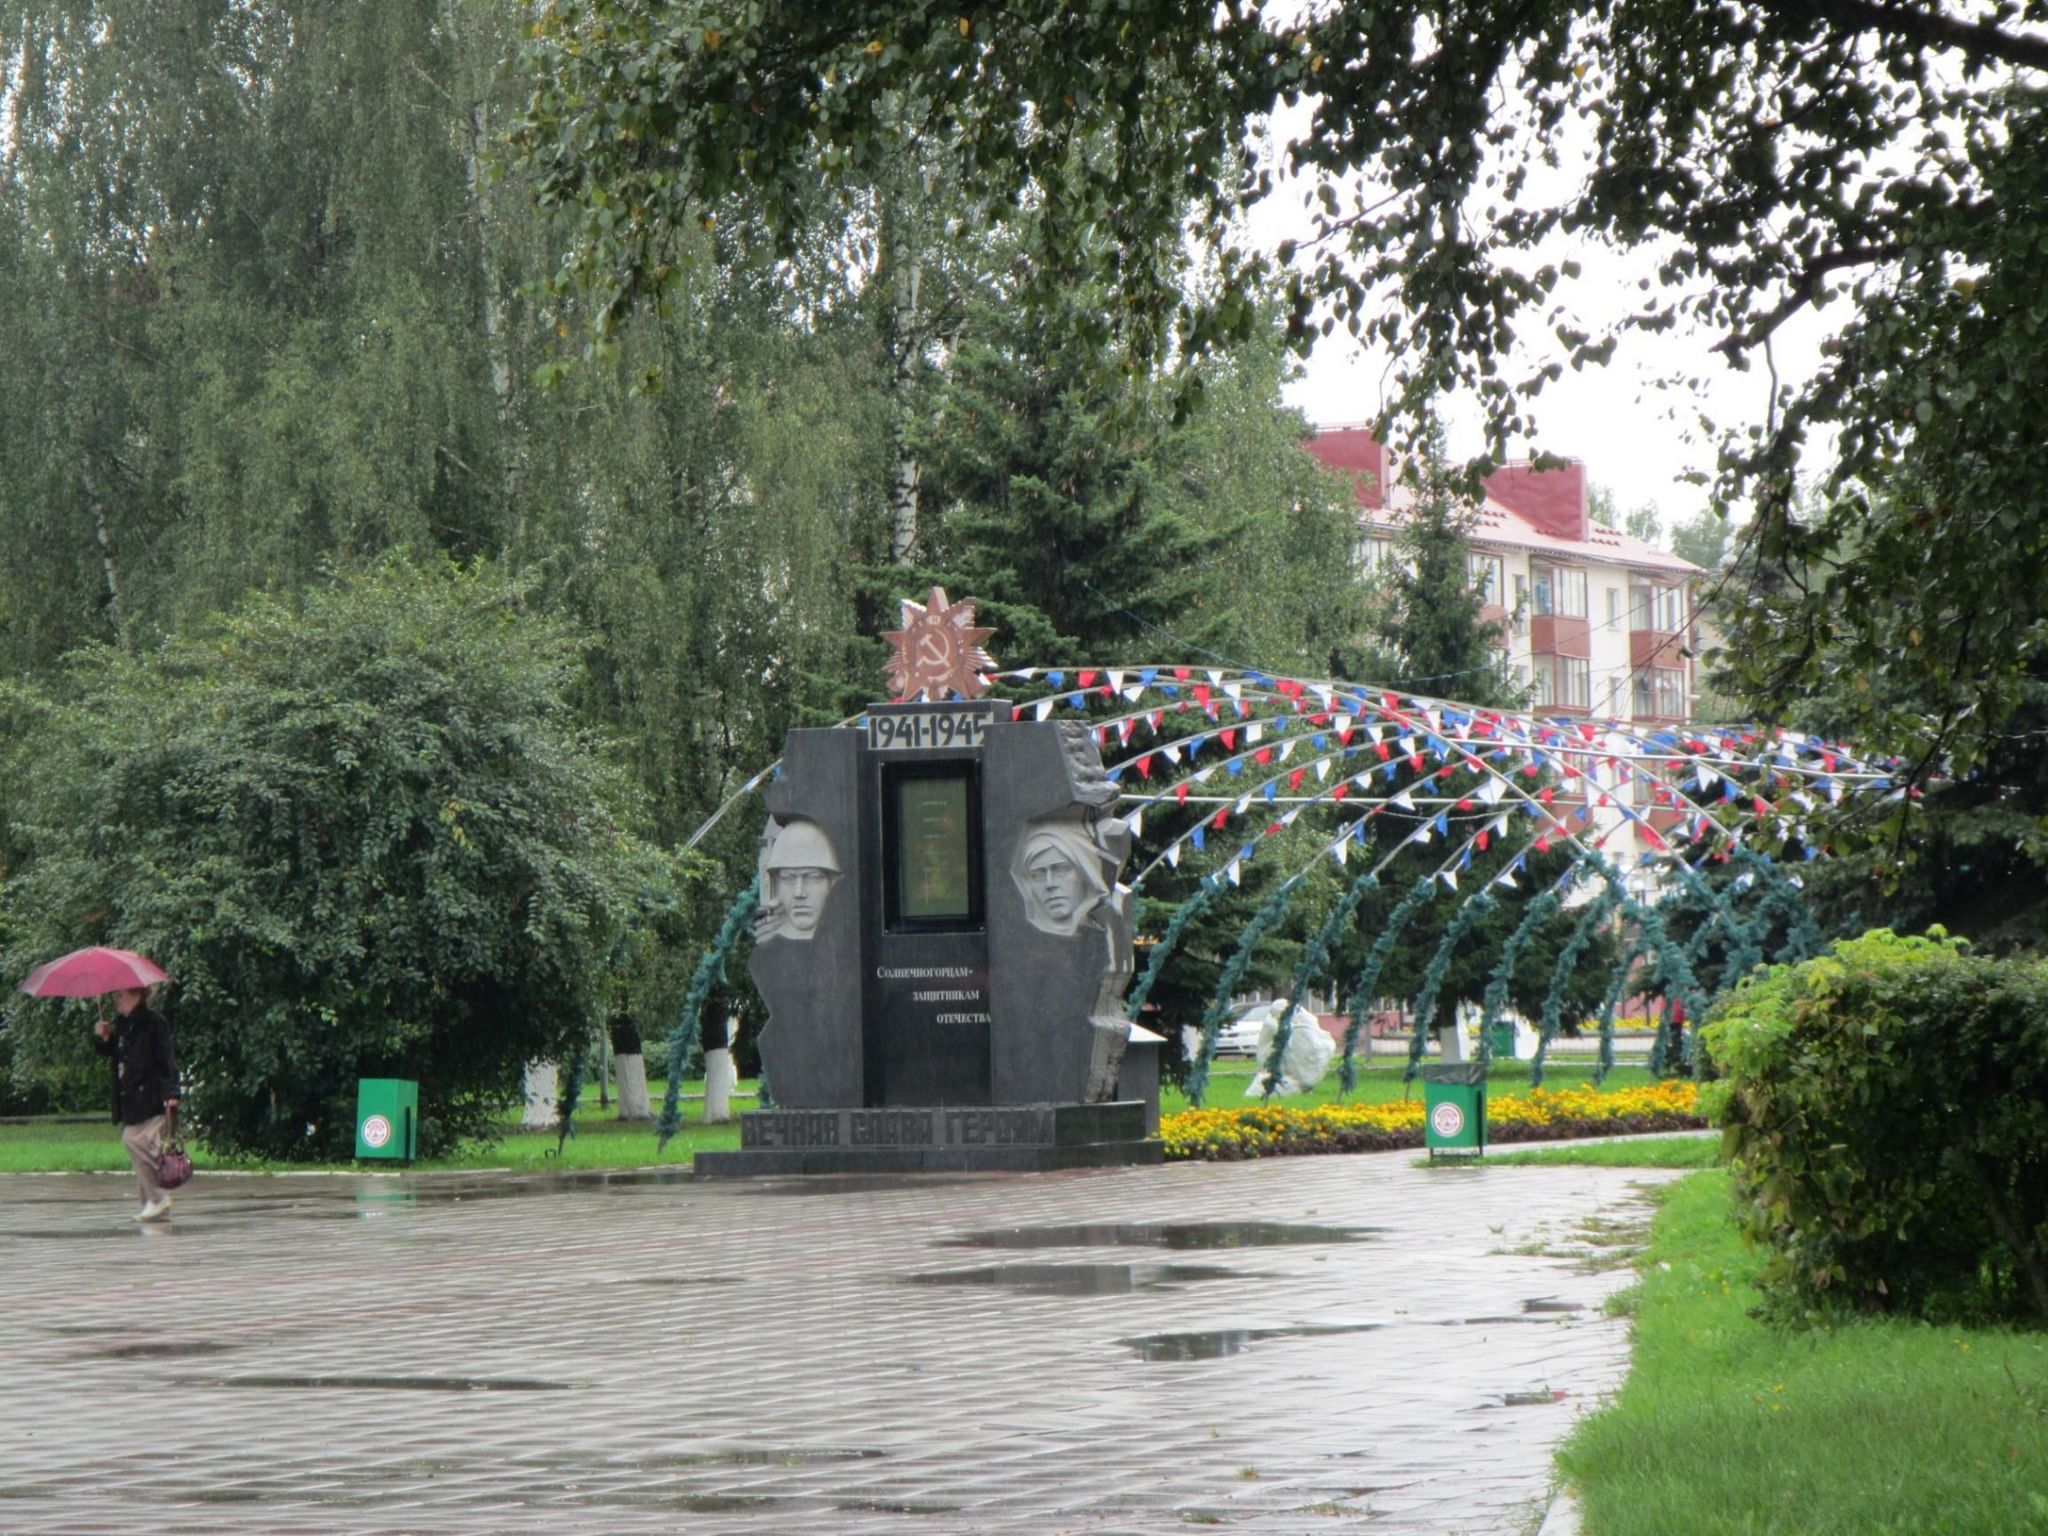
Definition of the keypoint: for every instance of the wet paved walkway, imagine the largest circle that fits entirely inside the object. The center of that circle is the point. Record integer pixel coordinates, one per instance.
(640, 1353)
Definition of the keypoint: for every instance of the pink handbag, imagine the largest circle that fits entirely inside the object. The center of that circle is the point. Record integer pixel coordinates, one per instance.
(173, 1166)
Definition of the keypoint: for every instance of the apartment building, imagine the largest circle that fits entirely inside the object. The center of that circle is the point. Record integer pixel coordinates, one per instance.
(1596, 623)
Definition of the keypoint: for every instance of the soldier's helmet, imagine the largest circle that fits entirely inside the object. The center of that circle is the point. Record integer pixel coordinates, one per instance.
(801, 845)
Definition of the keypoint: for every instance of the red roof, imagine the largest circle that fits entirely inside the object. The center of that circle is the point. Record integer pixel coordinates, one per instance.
(1553, 499)
(1542, 511)
(1356, 450)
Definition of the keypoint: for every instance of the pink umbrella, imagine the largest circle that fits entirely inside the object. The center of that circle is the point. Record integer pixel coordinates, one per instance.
(89, 972)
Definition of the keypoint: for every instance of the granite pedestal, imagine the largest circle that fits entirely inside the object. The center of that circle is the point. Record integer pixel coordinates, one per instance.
(951, 1138)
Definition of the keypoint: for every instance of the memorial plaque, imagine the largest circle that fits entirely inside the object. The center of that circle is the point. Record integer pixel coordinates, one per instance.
(942, 941)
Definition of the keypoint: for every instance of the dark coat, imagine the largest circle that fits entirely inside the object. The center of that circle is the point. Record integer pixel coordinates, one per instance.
(144, 1065)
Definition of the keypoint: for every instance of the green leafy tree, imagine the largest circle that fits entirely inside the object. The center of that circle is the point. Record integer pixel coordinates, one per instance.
(364, 834)
(1097, 524)
(1433, 636)
(1702, 539)
(1767, 157)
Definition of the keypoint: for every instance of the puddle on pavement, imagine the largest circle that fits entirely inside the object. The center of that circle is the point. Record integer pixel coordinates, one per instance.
(894, 1507)
(759, 1456)
(383, 1383)
(1080, 1279)
(678, 1280)
(1220, 1343)
(68, 1234)
(1542, 1399)
(165, 1349)
(1552, 1304)
(1183, 1235)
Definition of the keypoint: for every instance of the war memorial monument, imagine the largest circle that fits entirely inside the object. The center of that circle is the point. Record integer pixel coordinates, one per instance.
(941, 942)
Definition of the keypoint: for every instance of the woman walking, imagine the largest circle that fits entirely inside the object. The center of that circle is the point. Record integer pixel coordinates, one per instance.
(145, 1081)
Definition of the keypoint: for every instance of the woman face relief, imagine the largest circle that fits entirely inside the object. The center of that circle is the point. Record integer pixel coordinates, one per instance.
(1058, 885)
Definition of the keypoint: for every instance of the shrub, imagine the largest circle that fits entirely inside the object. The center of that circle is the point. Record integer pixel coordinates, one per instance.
(1885, 1109)
(363, 832)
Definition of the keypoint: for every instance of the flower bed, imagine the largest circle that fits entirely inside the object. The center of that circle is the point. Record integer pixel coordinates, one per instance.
(1540, 1115)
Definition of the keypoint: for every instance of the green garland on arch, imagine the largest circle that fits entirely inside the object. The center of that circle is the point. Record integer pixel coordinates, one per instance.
(1315, 963)
(1270, 912)
(1474, 908)
(1539, 912)
(683, 1038)
(1596, 912)
(1607, 1007)
(570, 1091)
(1369, 975)
(1203, 898)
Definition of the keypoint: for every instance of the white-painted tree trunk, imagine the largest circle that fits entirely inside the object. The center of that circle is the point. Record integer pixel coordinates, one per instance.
(721, 1077)
(631, 1072)
(543, 1095)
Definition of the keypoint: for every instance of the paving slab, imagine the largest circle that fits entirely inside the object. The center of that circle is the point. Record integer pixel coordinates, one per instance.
(1298, 1344)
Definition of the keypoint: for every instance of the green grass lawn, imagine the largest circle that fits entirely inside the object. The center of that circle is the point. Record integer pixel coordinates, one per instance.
(1621, 1152)
(47, 1146)
(1726, 1427)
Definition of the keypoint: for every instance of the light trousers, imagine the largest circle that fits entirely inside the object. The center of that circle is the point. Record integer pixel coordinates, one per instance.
(145, 1145)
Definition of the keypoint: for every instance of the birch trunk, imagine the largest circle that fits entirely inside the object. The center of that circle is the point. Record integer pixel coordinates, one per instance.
(543, 1096)
(721, 1076)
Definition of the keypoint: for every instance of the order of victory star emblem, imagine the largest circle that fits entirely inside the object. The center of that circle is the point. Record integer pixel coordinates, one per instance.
(937, 653)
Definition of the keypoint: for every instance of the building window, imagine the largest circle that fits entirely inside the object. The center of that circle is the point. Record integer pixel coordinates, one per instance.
(1484, 571)
(1657, 608)
(1564, 682)
(1614, 605)
(1660, 693)
(1373, 553)
(1561, 589)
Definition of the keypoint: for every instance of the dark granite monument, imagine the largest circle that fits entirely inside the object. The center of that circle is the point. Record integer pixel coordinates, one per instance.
(941, 941)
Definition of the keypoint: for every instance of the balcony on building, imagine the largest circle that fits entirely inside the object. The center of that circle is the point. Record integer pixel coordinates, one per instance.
(1558, 614)
(1659, 693)
(1656, 626)
(1560, 685)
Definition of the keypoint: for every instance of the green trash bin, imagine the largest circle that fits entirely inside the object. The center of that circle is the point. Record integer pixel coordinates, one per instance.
(387, 1119)
(1454, 1108)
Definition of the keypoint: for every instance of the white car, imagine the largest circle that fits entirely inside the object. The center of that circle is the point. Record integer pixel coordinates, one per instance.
(1238, 1035)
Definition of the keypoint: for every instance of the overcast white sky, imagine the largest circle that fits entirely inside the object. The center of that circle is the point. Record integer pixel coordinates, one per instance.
(1636, 435)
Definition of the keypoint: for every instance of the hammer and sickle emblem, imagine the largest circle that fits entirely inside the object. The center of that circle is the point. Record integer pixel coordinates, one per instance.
(932, 650)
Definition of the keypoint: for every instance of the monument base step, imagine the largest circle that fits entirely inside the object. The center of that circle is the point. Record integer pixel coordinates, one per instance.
(944, 1138)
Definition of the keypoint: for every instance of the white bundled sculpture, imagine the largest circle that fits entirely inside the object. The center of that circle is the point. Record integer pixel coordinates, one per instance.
(1303, 1063)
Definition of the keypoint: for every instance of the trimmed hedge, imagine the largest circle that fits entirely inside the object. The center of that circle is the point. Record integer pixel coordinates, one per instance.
(1223, 1135)
(1885, 1109)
